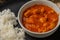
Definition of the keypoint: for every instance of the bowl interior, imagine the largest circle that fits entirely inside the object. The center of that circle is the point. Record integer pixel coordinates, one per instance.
(31, 3)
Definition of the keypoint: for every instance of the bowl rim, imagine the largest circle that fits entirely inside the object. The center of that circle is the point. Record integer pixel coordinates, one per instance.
(32, 31)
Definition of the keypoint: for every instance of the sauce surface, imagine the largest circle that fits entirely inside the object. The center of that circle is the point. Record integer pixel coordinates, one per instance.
(39, 18)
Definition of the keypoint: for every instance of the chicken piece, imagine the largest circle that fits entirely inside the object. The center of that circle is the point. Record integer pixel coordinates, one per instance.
(45, 24)
(34, 11)
(29, 20)
(44, 30)
(42, 20)
(28, 26)
(39, 30)
(27, 13)
(51, 11)
(52, 25)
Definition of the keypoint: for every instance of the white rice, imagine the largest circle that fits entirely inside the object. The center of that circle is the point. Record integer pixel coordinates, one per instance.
(7, 30)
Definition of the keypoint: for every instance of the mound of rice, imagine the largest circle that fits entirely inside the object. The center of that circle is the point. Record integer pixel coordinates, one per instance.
(7, 30)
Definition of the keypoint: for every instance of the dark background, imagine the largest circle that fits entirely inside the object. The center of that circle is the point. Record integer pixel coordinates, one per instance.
(15, 5)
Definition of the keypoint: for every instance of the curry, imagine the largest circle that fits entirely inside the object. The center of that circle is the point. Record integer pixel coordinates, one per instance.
(39, 18)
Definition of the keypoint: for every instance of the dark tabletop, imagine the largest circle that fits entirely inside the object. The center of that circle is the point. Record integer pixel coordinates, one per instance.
(15, 6)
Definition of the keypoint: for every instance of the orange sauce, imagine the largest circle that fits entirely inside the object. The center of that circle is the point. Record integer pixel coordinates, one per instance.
(39, 18)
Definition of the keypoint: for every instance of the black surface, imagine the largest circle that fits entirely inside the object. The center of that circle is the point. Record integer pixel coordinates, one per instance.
(15, 7)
